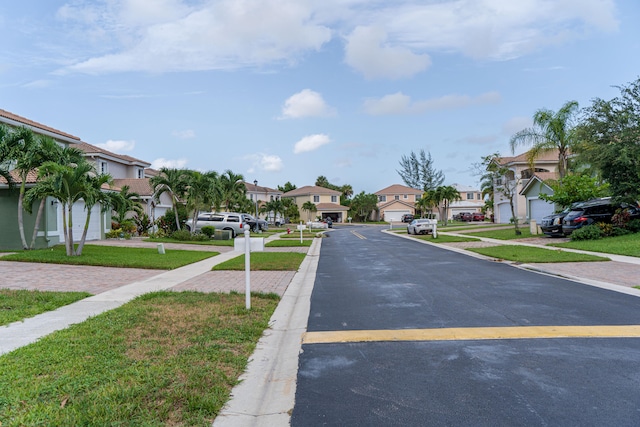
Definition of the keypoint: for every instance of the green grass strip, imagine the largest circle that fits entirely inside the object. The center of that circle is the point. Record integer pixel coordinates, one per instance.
(443, 238)
(628, 244)
(265, 261)
(113, 256)
(505, 234)
(165, 358)
(20, 304)
(288, 243)
(190, 242)
(528, 254)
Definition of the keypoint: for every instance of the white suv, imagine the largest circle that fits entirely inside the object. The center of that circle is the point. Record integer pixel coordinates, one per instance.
(220, 221)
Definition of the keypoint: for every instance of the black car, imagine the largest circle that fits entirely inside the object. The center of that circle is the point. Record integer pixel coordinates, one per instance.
(551, 225)
(406, 218)
(593, 212)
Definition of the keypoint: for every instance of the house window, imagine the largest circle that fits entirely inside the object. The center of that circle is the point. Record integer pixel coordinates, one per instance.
(396, 197)
(316, 199)
(140, 173)
(103, 168)
(271, 198)
(405, 197)
(334, 199)
(382, 198)
(478, 196)
(251, 196)
(469, 196)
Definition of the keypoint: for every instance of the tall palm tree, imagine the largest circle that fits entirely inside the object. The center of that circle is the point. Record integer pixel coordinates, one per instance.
(172, 181)
(309, 206)
(445, 195)
(5, 157)
(200, 192)
(93, 194)
(551, 131)
(125, 201)
(232, 189)
(427, 202)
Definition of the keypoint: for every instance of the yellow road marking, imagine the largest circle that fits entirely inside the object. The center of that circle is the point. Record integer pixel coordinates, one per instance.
(494, 333)
(358, 235)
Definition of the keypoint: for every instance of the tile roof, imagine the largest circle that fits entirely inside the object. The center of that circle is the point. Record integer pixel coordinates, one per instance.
(97, 151)
(310, 189)
(398, 189)
(401, 202)
(32, 177)
(30, 123)
(259, 189)
(547, 156)
(140, 186)
(330, 207)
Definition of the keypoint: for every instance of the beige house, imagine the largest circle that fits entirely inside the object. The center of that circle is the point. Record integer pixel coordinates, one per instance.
(395, 201)
(470, 200)
(260, 195)
(519, 175)
(327, 202)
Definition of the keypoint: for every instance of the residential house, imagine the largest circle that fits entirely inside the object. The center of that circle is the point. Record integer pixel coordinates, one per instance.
(395, 201)
(519, 175)
(260, 195)
(327, 202)
(470, 200)
(536, 208)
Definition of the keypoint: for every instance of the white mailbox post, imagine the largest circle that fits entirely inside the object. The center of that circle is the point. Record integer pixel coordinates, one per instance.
(248, 244)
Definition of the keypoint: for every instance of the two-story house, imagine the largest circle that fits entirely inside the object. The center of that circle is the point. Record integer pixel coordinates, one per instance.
(527, 205)
(395, 201)
(327, 202)
(470, 200)
(260, 195)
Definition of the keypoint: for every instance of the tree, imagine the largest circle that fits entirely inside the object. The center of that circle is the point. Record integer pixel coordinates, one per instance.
(125, 201)
(611, 134)
(309, 207)
(362, 205)
(505, 183)
(286, 187)
(272, 208)
(322, 181)
(419, 172)
(5, 157)
(232, 190)
(574, 188)
(200, 192)
(93, 194)
(427, 202)
(445, 195)
(172, 181)
(551, 131)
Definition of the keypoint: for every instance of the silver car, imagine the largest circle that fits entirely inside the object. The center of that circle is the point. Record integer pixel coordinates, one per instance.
(230, 221)
(421, 226)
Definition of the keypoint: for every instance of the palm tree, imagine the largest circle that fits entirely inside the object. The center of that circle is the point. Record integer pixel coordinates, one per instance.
(273, 208)
(93, 194)
(427, 202)
(309, 207)
(172, 181)
(445, 195)
(232, 189)
(5, 156)
(200, 192)
(68, 184)
(125, 201)
(551, 131)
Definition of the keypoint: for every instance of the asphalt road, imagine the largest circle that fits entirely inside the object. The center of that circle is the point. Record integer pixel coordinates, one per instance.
(374, 283)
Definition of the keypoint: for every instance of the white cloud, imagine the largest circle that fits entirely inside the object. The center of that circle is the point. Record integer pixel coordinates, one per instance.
(264, 162)
(516, 124)
(383, 39)
(311, 143)
(184, 134)
(168, 163)
(117, 146)
(368, 52)
(306, 103)
(401, 104)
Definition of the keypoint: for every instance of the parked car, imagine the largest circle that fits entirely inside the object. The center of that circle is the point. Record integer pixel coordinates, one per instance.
(220, 221)
(477, 216)
(463, 216)
(421, 226)
(255, 224)
(551, 225)
(593, 212)
(407, 218)
(328, 221)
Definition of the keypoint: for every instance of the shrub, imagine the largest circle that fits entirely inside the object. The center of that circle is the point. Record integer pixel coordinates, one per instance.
(606, 229)
(589, 232)
(181, 235)
(634, 225)
(619, 231)
(208, 230)
(620, 218)
(143, 224)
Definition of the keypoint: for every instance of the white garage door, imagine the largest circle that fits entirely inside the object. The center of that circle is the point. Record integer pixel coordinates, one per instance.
(79, 219)
(395, 216)
(504, 212)
(538, 209)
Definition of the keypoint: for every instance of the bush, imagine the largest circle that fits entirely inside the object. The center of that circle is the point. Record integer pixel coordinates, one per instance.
(619, 231)
(589, 232)
(181, 235)
(208, 230)
(118, 233)
(143, 224)
(634, 226)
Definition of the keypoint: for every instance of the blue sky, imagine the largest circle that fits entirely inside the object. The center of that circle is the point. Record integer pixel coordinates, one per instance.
(287, 90)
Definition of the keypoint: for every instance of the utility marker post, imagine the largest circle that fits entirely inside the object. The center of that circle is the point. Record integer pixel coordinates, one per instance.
(300, 232)
(247, 268)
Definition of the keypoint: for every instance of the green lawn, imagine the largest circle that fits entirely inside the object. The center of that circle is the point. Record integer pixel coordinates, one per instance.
(443, 238)
(528, 254)
(190, 242)
(20, 304)
(113, 256)
(265, 261)
(621, 245)
(503, 234)
(288, 243)
(296, 235)
(163, 359)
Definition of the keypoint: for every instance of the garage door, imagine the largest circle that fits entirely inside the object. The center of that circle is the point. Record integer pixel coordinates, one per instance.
(79, 219)
(538, 209)
(395, 216)
(504, 213)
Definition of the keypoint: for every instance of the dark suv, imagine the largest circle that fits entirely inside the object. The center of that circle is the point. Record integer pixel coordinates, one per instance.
(406, 218)
(551, 225)
(592, 212)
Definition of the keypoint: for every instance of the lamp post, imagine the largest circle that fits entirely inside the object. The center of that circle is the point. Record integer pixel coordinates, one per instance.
(255, 182)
